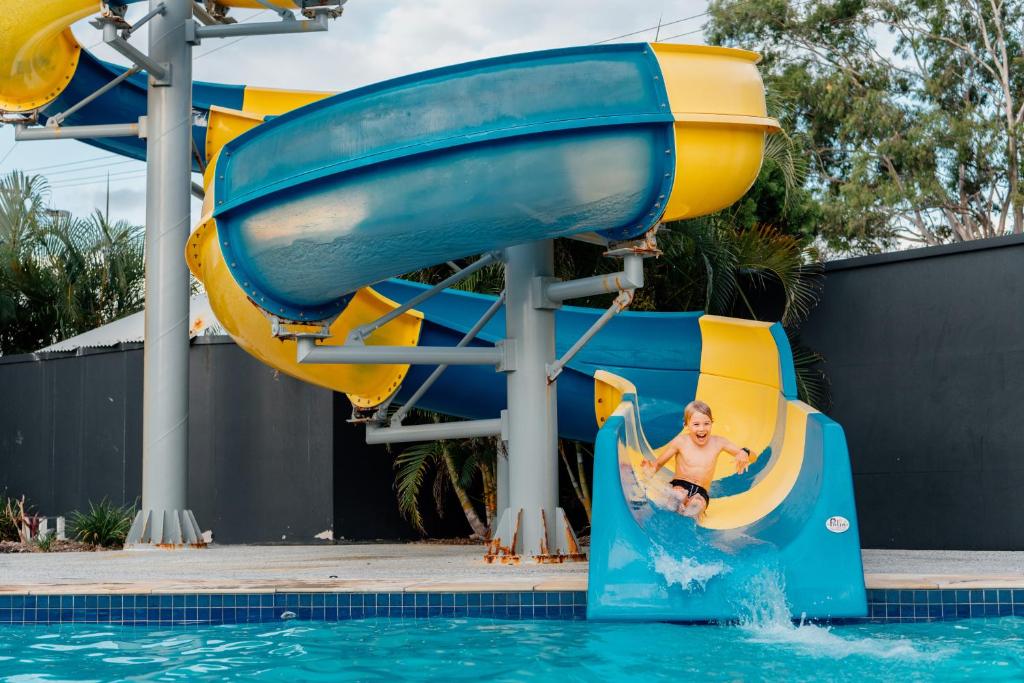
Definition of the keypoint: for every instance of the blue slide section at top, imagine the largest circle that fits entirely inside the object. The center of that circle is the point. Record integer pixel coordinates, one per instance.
(127, 102)
(444, 164)
(650, 563)
(658, 352)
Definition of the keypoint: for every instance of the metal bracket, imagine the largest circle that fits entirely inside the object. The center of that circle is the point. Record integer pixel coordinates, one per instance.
(644, 247)
(279, 330)
(192, 33)
(539, 293)
(332, 8)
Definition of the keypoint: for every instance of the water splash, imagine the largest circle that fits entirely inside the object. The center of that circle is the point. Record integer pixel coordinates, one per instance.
(767, 620)
(686, 572)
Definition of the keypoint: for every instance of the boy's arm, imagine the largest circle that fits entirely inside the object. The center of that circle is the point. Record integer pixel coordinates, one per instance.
(740, 454)
(667, 455)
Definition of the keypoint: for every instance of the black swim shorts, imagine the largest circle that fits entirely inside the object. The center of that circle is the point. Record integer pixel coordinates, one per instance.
(692, 489)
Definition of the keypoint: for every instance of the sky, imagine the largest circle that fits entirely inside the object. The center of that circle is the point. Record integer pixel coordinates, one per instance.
(373, 40)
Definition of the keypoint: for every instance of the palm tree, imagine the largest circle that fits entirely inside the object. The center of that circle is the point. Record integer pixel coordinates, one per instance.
(454, 466)
(61, 275)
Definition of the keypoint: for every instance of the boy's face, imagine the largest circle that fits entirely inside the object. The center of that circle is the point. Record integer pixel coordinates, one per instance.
(700, 428)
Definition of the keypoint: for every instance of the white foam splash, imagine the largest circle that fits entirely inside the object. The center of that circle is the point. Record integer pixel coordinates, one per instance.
(685, 572)
(768, 620)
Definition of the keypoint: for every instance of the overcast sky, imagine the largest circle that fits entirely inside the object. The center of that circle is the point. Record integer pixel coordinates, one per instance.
(373, 40)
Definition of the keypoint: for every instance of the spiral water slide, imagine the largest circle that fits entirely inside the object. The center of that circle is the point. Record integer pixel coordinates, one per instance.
(314, 201)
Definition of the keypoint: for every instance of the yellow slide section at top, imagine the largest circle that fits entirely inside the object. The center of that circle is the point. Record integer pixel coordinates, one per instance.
(39, 53)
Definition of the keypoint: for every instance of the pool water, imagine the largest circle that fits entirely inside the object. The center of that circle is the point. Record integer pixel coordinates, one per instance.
(474, 649)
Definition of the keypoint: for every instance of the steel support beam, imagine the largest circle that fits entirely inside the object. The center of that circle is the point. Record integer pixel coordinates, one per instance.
(400, 414)
(268, 28)
(308, 351)
(464, 429)
(630, 277)
(154, 63)
(108, 130)
(621, 303)
(164, 520)
(363, 331)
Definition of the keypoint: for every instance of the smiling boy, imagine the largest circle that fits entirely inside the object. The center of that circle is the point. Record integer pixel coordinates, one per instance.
(696, 453)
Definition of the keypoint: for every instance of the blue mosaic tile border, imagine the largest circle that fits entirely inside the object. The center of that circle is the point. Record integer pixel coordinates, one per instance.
(889, 605)
(232, 608)
(884, 606)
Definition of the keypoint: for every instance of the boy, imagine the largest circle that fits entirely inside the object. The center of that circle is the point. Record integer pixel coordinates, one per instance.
(696, 453)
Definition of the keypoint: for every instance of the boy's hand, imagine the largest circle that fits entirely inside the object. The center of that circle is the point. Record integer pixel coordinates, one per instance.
(742, 461)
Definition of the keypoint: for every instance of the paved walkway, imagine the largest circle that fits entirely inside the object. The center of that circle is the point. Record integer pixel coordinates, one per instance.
(412, 567)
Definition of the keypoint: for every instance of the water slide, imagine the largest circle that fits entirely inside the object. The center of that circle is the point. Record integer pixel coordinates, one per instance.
(314, 201)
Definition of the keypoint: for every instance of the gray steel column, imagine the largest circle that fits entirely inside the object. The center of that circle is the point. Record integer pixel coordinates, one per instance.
(164, 519)
(533, 434)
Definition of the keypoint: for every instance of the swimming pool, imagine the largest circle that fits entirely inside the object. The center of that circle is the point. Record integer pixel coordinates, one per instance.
(496, 650)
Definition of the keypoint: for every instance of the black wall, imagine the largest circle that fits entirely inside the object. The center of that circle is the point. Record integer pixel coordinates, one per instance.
(271, 459)
(925, 353)
(260, 443)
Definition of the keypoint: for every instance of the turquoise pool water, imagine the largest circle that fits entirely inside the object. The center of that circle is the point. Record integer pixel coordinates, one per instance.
(475, 649)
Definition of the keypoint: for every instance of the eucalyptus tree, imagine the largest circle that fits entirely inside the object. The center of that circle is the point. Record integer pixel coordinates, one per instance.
(913, 111)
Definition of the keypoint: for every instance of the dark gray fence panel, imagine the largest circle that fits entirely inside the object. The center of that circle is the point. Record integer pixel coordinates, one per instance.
(925, 353)
(261, 454)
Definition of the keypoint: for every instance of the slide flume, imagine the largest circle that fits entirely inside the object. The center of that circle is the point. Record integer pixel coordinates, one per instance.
(313, 201)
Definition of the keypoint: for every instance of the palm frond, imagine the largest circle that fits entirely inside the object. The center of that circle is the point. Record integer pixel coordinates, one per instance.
(413, 465)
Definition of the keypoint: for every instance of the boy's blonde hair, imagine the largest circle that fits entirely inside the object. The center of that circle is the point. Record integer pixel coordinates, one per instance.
(696, 407)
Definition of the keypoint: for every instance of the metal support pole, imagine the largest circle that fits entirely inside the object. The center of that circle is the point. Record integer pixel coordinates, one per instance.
(533, 435)
(363, 331)
(400, 414)
(104, 130)
(318, 23)
(157, 67)
(463, 429)
(309, 352)
(621, 303)
(164, 520)
(630, 277)
(57, 119)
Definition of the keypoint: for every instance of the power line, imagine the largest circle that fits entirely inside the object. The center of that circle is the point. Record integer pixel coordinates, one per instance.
(653, 28)
(95, 180)
(8, 153)
(69, 163)
(99, 182)
(680, 35)
(99, 175)
(230, 42)
(59, 174)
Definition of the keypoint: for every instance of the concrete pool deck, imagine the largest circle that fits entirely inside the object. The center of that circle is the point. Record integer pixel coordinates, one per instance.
(411, 567)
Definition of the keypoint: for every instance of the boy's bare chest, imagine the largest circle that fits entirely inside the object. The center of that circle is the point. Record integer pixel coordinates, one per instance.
(697, 457)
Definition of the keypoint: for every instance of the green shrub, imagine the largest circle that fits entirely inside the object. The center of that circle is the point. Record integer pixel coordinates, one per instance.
(105, 524)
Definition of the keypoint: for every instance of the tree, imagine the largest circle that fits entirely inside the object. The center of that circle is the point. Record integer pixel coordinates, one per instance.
(60, 275)
(455, 466)
(912, 111)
